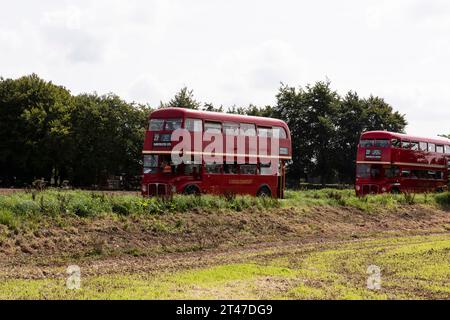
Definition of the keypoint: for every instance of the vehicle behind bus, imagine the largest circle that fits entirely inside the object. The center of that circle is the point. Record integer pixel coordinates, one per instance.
(393, 162)
(162, 176)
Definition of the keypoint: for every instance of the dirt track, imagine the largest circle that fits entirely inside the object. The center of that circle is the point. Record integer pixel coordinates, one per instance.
(194, 239)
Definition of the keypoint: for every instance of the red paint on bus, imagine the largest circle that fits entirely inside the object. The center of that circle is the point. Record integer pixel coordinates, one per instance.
(247, 178)
(394, 162)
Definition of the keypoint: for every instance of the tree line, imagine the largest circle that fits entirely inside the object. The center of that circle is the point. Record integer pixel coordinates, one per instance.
(46, 132)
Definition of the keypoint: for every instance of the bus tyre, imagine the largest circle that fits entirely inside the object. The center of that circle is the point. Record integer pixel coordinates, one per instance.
(395, 190)
(192, 190)
(264, 192)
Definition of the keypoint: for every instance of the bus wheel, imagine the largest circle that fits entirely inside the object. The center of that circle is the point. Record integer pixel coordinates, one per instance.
(192, 189)
(264, 192)
(439, 190)
(395, 191)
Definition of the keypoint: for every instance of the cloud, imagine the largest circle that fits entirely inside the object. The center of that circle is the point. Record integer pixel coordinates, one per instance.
(146, 89)
(261, 69)
(233, 52)
(67, 34)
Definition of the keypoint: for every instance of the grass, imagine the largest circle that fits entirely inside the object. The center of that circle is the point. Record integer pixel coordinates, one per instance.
(347, 198)
(25, 207)
(411, 268)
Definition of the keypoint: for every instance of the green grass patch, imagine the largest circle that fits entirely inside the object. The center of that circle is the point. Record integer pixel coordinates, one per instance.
(411, 268)
(347, 198)
(85, 204)
(32, 208)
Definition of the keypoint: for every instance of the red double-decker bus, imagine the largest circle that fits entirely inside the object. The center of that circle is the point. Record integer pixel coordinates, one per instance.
(394, 162)
(235, 170)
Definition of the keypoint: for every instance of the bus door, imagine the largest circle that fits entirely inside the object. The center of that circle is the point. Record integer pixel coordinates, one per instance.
(213, 177)
(281, 180)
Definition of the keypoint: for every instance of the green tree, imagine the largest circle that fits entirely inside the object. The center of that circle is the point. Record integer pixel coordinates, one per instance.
(252, 110)
(326, 128)
(46, 132)
(210, 107)
(34, 126)
(183, 99)
(310, 114)
(106, 136)
(356, 115)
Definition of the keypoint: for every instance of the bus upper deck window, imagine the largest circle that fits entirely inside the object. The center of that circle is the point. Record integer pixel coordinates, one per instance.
(156, 124)
(440, 149)
(381, 143)
(366, 143)
(423, 146)
(231, 129)
(248, 129)
(415, 146)
(431, 147)
(447, 149)
(193, 125)
(279, 132)
(173, 124)
(406, 144)
(213, 127)
(396, 143)
(264, 132)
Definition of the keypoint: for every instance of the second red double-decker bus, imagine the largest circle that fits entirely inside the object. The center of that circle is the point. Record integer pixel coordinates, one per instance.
(394, 162)
(234, 171)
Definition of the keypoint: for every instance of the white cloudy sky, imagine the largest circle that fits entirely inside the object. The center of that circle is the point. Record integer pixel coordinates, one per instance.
(237, 52)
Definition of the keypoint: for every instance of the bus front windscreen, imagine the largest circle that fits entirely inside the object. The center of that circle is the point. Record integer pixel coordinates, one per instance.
(368, 171)
(150, 164)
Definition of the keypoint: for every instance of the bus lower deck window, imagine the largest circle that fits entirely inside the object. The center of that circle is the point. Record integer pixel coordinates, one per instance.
(248, 169)
(213, 168)
(230, 169)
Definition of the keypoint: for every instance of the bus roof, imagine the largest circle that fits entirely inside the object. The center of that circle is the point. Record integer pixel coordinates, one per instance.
(393, 135)
(216, 116)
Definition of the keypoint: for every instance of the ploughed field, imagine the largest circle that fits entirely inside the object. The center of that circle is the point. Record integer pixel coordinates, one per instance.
(322, 244)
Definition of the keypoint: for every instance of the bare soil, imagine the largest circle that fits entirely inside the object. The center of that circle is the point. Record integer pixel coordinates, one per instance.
(112, 244)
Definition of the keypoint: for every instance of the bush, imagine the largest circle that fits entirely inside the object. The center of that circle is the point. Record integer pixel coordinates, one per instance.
(7, 218)
(443, 199)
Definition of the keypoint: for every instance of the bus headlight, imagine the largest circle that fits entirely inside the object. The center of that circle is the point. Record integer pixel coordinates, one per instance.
(383, 189)
(358, 188)
(144, 188)
(174, 189)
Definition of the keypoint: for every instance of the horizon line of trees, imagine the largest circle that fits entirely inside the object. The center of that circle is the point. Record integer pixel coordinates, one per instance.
(46, 132)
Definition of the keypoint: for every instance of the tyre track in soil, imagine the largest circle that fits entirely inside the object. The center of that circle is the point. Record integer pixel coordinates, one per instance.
(331, 227)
